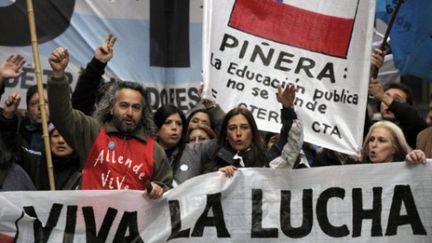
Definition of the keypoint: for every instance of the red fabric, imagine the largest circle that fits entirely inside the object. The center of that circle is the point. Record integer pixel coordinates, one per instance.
(6, 238)
(293, 26)
(116, 163)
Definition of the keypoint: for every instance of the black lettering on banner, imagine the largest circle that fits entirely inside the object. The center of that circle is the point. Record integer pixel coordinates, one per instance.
(257, 51)
(235, 85)
(305, 64)
(12, 82)
(25, 78)
(153, 98)
(403, 194)
(326, 129)
(193, 96)
(327, 72)
(42, 234)
(243, 49)
(218, 221)
(177, 97)
(71, 216)
(261, 113)
(359, 214)
(273, 115)
(181, 99)
(215, 62)
(338, 96)
(257, 230)
(321, 212)
(164, 97)
(171, 96)
(90, 224)
(28, 78)
(169, 33)
(128, 222)
(176, 232)
(285, 215)
(230, 41)
(282, 59)
(258, 92)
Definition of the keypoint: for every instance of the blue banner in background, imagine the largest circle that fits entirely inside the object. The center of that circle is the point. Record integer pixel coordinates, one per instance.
(411, 35)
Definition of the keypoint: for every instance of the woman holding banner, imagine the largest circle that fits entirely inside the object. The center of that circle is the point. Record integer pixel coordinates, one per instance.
(239, 143)
(229, 150)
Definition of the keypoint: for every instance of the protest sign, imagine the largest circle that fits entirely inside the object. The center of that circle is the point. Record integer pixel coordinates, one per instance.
(323, 47)
(353, 203)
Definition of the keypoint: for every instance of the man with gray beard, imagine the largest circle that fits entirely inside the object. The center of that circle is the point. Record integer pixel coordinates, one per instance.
(116, 144)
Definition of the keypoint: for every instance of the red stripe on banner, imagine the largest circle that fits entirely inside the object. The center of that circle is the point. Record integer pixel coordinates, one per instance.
(293, 26)
(6, 238)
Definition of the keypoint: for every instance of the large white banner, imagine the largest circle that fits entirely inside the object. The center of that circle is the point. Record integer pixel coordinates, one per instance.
(354, 203)
(159, 42)
(323, 47)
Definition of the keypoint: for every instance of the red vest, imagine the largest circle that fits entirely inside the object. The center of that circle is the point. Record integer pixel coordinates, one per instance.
(116, 163)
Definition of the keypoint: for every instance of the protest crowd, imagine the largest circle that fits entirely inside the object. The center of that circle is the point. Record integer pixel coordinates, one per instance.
(109, 129)
(106, 135)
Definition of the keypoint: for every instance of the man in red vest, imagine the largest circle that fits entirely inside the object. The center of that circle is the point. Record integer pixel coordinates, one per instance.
(116, 145)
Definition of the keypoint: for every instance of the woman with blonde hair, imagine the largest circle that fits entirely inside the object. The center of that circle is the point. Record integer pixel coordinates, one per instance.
(385, 142)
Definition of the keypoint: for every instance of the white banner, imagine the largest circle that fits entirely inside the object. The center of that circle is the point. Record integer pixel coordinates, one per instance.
(147, 50)
(323, 47)
(354, 203)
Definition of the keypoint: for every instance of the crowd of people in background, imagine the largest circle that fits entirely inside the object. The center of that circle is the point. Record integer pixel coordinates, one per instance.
(104, 135)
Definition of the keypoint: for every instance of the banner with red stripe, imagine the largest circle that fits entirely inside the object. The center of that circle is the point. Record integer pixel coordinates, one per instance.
(295, 26)
(323, 47)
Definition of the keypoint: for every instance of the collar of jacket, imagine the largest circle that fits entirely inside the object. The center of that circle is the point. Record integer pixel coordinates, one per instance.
(140, 134)
(227, 155)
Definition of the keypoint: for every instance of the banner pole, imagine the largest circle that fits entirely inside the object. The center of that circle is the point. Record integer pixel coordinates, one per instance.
(374, 69)
(39, 82)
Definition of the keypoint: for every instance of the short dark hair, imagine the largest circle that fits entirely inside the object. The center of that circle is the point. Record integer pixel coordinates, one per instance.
(403, 88)
(31, 91)
(163, 112)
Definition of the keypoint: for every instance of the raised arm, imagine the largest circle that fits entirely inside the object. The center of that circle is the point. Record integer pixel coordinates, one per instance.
(78, 129)
(286, 149)
(90, 80)
(286, 98)
(11, 68)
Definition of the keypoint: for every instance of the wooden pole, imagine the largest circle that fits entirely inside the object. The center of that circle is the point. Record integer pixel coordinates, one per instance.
(39, 82)
(374, 69)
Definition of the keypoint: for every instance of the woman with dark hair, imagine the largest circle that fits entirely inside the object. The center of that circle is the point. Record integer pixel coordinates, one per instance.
(207, 112)
(239, 143)
(240, 135)
(171, 123)
(200, 116)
